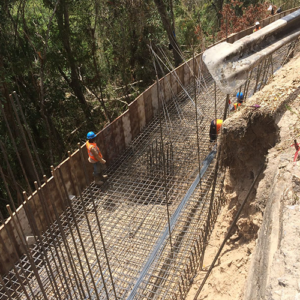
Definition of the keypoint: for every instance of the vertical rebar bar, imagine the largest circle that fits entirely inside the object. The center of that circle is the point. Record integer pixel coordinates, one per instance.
(33, 224)
(15, 252)
(72, 236)
(100, 231)
(88, 223)
(69, 253)
(50, 229)
(19, 197)
(28, 133)
(164, 171)
(12, 139)
(21, 232)
(196, 116)
(24, 139)
(228, 233)
(78, 234)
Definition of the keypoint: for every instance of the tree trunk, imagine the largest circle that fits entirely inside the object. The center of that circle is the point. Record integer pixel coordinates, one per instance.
(62, 15)
(161, 7)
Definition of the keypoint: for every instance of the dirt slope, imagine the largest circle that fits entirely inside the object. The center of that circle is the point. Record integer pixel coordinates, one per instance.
(251, 138)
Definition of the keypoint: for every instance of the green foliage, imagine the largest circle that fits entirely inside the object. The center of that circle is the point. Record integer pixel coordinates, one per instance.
(73, 64)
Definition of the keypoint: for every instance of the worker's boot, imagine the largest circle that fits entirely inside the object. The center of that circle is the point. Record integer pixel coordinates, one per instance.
(98, 180)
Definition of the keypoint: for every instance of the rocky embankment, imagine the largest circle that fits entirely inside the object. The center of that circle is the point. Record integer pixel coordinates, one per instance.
(261, 260)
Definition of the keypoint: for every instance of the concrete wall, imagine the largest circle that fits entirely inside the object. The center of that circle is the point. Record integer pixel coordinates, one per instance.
(112, 140)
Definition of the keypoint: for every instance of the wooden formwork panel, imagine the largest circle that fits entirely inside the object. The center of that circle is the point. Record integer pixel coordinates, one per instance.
(134, 119)
(106, 143)
(7, 243)
(174, 83)
(141, 112)
(180, 77)
(148, 105)
(66, 176)
(34, 207)
(55, 196)
(77, 168)
(154, 98)
(167, 87)
(187, 74)
(126, 127)
(119, 136)
(161, 95)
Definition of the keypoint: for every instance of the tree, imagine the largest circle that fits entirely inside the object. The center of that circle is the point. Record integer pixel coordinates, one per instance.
(167, 24)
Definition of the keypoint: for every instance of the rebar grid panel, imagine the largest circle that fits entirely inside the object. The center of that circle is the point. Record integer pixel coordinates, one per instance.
(132, 210)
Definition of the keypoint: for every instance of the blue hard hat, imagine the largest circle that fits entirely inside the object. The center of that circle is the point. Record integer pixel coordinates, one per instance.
(91, 135)
(240, 95)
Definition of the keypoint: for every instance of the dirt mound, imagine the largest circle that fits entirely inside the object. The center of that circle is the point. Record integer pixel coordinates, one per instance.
(251, 138)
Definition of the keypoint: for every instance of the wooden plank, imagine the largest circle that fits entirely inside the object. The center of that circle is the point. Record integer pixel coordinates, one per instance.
(180, 75)
(174, 82)
(148, 106)
(167, 87)
(8, 257)
(77, 167)
(154, 99)
(106, 142)
(187, 75)
(134, 119)
(119, 137)
(141, 111)
(126, 127)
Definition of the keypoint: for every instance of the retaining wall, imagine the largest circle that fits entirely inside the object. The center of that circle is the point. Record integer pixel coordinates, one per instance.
(112, 141)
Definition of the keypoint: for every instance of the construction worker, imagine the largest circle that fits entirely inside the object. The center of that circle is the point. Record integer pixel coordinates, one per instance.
(240, 97)
(236, 105)
(96, 158)
(257, 27)
(215, 128)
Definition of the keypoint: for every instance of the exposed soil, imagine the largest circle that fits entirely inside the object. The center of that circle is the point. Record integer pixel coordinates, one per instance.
(250, 138)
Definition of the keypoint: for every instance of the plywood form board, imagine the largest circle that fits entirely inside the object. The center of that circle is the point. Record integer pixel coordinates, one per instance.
(66, 176)
(202, 67)
(22, 218)
(55, 197)
(187, 74)
(8, 241)
(180, 76)
(191, 70)
(161, 95)
(126, 127)
(118, 133)
(106, 142)
(195, 69)
(174, 82)
(134, 119)
(154, 99)
(33, 208)
(148, 105)
(141, 111)
(77, 169)
(167, 87)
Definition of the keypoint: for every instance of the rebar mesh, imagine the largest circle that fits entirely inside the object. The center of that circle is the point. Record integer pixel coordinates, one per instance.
(131, 208)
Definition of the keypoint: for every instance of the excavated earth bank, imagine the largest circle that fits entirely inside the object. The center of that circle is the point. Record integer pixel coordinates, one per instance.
(262, 258)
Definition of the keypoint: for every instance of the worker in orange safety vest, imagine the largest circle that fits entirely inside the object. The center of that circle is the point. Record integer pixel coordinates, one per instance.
(257, 27)
(215, 128)
(96, 158)
(236, 105)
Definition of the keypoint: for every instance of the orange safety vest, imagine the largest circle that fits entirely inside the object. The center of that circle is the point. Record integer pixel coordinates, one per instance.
(254, 30)
(219, 125)
(89, 146)
(236, 105)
